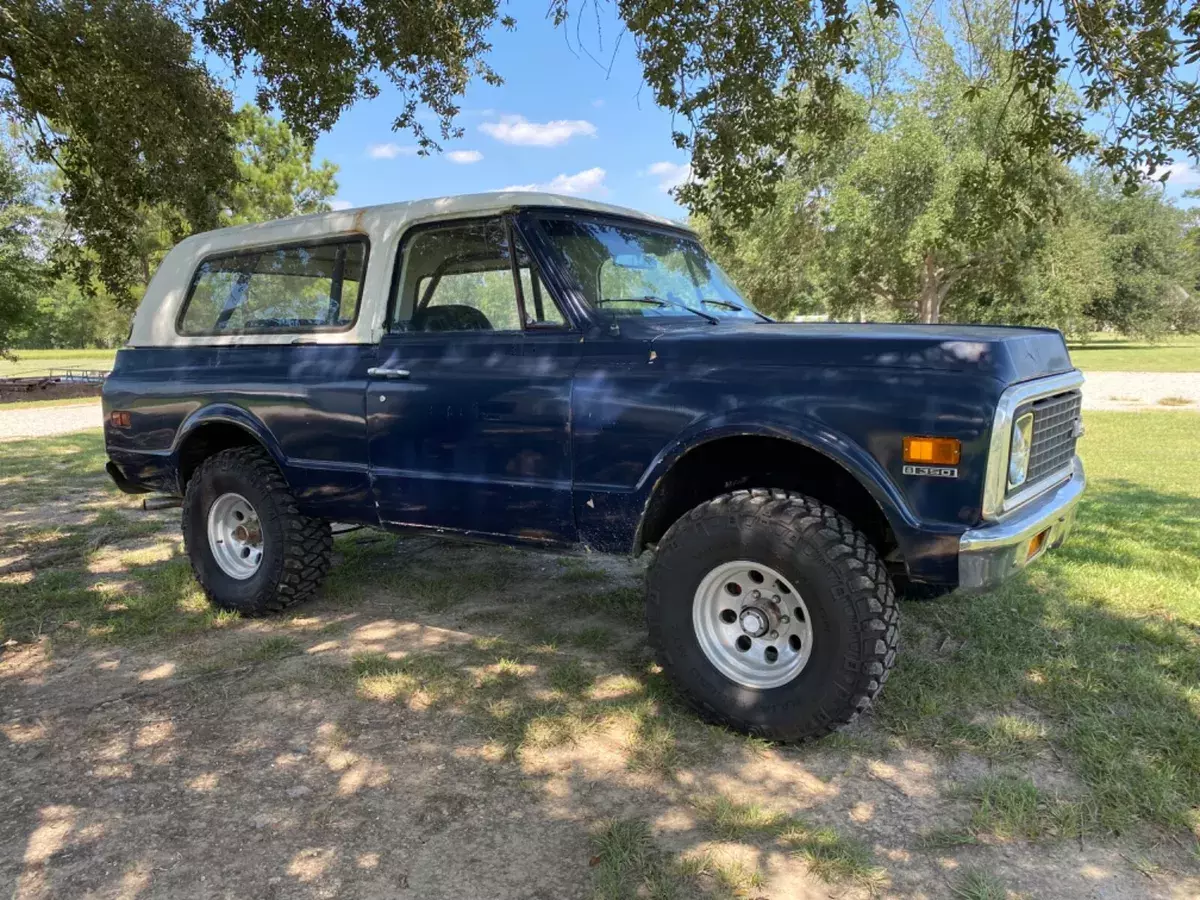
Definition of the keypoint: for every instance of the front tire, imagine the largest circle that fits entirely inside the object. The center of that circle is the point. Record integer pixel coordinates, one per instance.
(251, 549)
(772, 614)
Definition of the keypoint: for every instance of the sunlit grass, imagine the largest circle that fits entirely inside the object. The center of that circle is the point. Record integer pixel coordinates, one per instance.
(1100, 641)
(629, 864)
(1011, 806)
(40, 362)
(50, 589)
(976, 884)
(51, 404)
(829, 855)
(1109, 353)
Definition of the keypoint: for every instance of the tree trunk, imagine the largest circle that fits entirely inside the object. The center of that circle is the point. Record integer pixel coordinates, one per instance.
(930, 304)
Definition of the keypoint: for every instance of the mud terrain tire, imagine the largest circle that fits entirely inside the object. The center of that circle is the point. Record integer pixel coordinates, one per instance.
(850, 601)
(296, 549)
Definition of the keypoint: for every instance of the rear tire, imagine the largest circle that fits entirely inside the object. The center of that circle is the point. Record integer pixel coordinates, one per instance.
(833, 652)
(251, 549)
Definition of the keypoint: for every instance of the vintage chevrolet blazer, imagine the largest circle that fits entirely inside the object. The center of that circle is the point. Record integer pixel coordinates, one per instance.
(551, 372)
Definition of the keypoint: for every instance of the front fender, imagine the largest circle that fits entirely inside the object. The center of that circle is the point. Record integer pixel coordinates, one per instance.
(801, 430)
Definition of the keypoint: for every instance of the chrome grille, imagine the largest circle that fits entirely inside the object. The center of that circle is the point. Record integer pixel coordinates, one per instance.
(1055, 431)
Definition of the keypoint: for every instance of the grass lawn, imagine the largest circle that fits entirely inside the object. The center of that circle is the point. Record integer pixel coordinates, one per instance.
(40, 362)
(1095, 652)
(1115, 354)
(1091, 660)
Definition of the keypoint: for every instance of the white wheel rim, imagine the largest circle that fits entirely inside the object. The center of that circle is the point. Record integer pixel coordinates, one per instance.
(752, 624)
(235, 536)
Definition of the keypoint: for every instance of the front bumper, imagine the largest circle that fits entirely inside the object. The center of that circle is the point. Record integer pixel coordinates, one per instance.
(995, 552)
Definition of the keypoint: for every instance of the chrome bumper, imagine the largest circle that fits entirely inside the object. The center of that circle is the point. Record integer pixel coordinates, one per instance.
(993, 553)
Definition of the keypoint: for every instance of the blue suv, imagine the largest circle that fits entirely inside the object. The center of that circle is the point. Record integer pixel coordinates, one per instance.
(550, 372)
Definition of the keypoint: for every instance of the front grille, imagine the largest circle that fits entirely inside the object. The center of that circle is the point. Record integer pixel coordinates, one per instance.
(1055, 431)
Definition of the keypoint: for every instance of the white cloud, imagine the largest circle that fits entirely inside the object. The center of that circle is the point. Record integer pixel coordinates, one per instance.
(1181, 175)
(464, 157)
(598, 102)
(670, 175)
(339, 204)
(519, 130)
(589, 181)
(389, 151)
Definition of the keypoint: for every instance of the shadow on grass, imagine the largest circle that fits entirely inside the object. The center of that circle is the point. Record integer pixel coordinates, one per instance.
(1095, 650)
(79, 562)
(77, 455)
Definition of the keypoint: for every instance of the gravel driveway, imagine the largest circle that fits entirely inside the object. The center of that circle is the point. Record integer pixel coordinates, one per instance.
(29, 422)
(1129, 391)
(1141, 390)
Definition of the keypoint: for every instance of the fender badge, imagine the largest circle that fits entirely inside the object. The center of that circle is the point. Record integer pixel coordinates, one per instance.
(932, 471)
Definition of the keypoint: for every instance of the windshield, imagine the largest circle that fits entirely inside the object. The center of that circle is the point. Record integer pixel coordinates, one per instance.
(632, 270)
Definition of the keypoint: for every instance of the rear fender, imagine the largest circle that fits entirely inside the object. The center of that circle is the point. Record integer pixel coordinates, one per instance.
(224, 414)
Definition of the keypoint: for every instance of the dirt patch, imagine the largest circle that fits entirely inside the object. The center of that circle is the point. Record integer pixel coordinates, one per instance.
(252, 761)
(47, 390)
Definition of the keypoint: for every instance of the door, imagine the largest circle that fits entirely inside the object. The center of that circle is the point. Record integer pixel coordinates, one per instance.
(468, 423)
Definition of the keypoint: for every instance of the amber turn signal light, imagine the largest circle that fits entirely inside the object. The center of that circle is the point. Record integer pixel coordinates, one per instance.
(119, 418)
(1036, 545)
(932, 451)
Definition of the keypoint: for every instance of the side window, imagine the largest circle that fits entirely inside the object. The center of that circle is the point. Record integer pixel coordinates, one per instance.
(286, 289)
(460, 278)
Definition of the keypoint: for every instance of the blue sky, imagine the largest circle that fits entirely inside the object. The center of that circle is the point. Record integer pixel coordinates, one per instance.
(560, 122)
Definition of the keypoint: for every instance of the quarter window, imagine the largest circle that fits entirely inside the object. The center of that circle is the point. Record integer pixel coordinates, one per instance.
(313, 287)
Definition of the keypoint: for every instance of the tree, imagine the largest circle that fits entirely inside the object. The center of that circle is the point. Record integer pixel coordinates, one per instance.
(119, 101)
(276, 175)
(908, 217)
(911, 203)
(110, 95)
(1152, 263)
(276, 179)
(1066, 267)
(777, 260)
(20, 270)
(64, 316)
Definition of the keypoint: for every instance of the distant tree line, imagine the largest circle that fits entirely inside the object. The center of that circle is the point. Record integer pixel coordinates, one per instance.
(910, 216)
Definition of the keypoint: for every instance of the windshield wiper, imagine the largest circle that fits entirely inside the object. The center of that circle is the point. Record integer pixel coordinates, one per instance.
(650, 300)
(725, 304)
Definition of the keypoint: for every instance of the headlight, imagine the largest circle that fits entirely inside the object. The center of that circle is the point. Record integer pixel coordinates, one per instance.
(1018, 455)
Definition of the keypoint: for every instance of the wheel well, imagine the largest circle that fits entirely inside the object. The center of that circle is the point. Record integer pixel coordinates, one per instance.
(746, 461)
(208, 439)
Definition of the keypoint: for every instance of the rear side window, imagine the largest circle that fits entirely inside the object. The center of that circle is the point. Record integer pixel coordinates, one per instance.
(312, 287)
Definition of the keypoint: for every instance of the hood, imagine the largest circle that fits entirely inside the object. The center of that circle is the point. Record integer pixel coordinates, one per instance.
(1007, 354)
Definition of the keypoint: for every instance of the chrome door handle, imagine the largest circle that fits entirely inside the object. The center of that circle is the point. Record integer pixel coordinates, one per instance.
(384, 372)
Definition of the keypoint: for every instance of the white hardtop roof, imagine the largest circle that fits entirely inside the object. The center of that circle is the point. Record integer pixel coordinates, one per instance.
(384, 224)
(406, 213)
